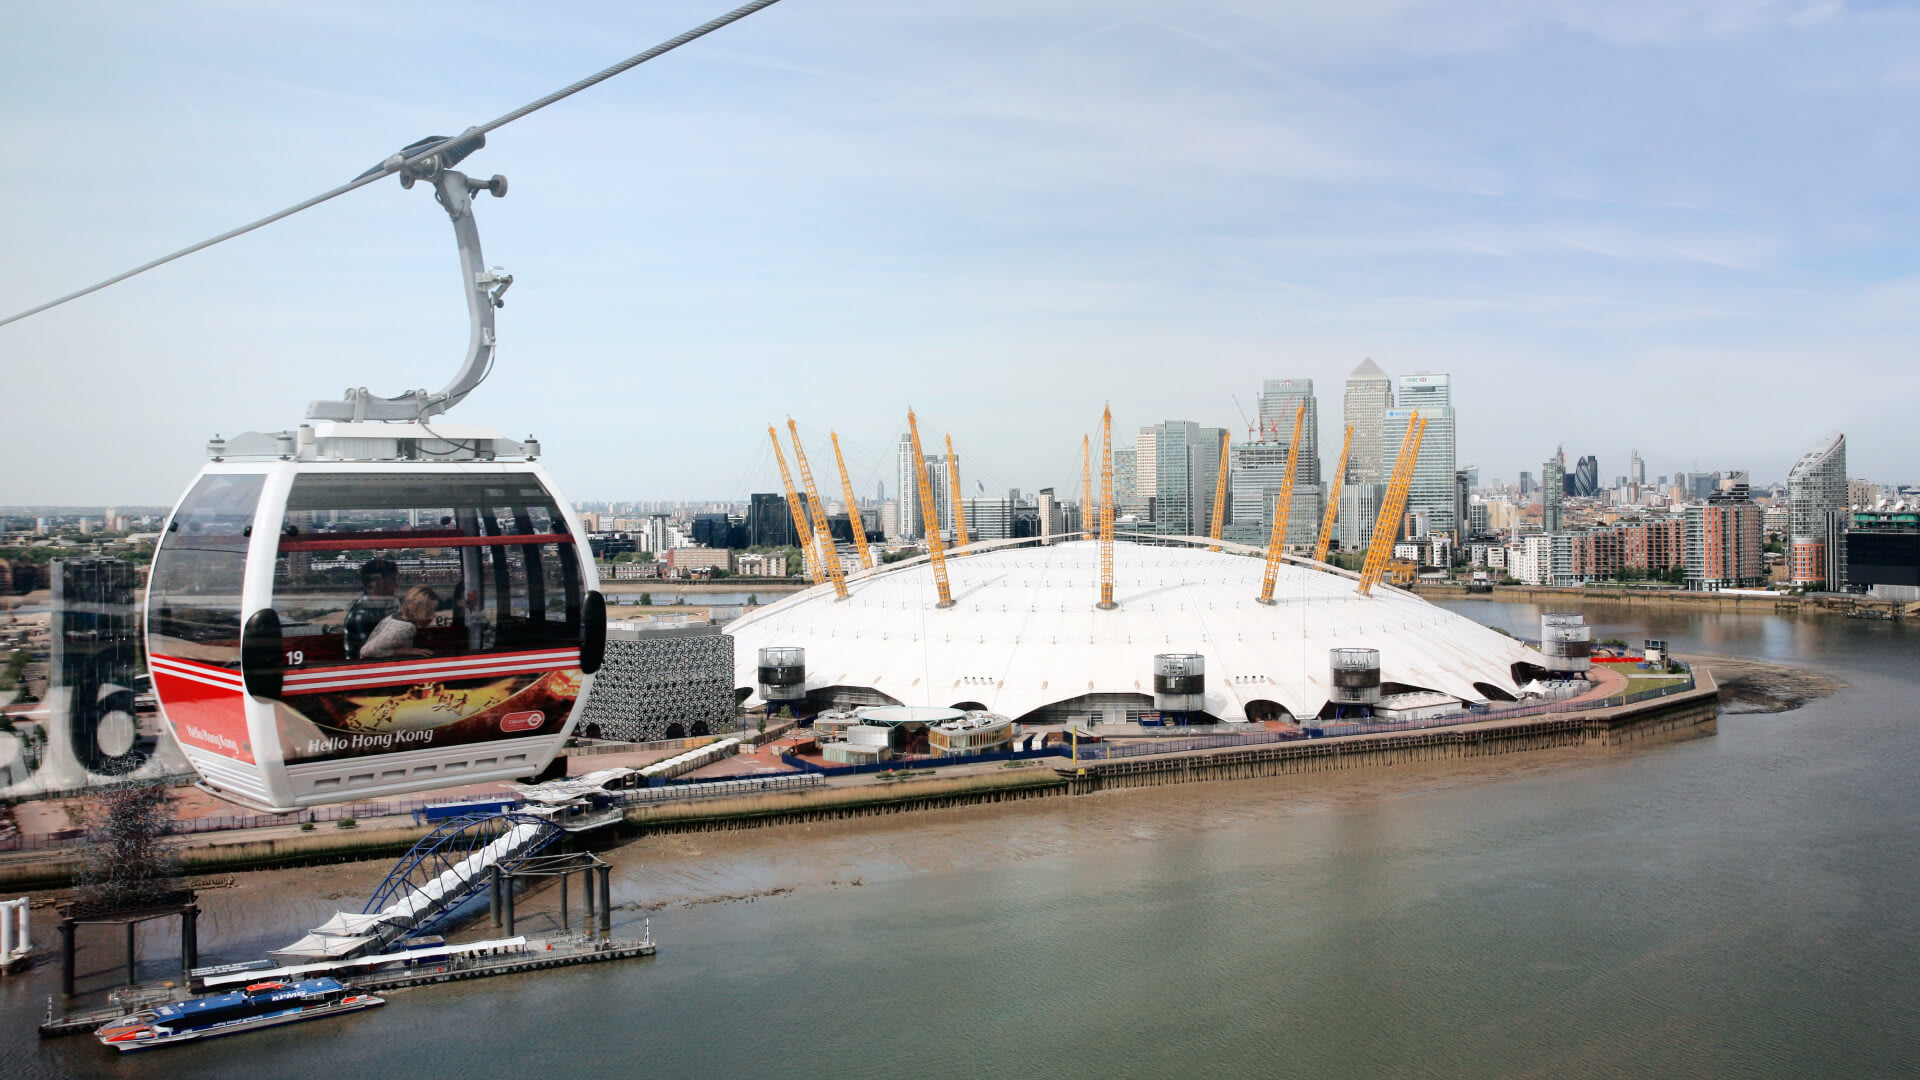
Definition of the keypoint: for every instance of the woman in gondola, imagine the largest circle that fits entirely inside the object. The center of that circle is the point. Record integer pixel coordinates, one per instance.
(393, 636)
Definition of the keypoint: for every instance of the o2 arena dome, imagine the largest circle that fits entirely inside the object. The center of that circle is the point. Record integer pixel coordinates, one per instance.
(1025, 639)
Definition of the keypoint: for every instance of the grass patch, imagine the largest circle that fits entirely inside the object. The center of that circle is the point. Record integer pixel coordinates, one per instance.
(1637, 683)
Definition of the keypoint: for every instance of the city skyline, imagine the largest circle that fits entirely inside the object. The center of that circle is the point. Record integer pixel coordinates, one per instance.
(1177, 189)
(879, 494)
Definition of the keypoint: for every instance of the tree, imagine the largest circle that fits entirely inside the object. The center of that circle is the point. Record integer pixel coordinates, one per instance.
(646, 599)
(16, 668)
(129, 862)
(753, 599)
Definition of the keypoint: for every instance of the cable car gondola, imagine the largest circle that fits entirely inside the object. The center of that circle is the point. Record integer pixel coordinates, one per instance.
(374, 603)
(371, 603)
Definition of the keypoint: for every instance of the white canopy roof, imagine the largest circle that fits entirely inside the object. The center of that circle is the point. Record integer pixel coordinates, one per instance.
(1024, 631)
(560, 792)
(324, 946)
(347, 922)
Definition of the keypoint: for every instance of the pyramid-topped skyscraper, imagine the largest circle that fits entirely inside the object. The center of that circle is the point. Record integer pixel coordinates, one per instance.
(1369, 396)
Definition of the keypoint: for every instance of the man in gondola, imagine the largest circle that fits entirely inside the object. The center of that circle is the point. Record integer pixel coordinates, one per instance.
(379, 598)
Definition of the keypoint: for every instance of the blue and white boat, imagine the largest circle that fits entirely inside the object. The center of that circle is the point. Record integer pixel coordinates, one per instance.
(261, 1005)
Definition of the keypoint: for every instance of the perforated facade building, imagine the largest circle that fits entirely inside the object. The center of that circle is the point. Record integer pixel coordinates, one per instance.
(661, 684)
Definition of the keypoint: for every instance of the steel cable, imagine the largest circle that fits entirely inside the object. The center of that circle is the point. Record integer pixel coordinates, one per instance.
(395, 163)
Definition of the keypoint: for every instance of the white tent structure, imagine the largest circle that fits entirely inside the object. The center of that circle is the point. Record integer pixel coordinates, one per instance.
(1024, 633)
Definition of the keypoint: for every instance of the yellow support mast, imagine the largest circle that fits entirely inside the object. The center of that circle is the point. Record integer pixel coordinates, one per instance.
(802, 532)
(853, 506)
(1386, 529)
(1282, 510)
(1086, 487)
(1333, 500)
(930, 515)
(1220, 493)
(1106, 509)
(822, 533)
(953, 496)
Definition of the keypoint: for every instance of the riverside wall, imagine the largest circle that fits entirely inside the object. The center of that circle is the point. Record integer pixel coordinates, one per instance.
(55, 870)
(1675, 599)
(1688, 714)
(1684, 715)
(838, 804)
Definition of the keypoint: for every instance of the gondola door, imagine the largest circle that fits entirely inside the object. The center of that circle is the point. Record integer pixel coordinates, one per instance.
(430, 628)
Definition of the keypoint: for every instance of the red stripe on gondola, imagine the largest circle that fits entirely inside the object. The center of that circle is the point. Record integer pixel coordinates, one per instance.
(434, 666)
(198, 667)
(324, 680)
(374, 534)
(402, 678)
(415, 540)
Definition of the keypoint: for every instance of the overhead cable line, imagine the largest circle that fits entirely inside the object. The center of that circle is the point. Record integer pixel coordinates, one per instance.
(400, 161)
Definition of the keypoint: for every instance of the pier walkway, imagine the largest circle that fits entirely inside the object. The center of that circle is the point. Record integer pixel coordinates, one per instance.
(449, 866)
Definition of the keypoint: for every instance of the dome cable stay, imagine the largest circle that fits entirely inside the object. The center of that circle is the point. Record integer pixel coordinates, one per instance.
(414, 156)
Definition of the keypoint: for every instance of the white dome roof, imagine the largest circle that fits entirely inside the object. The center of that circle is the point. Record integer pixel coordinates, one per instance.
(1024, 631)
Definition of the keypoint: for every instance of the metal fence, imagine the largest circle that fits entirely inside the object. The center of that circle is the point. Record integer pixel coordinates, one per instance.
(931, 762)
(1112, 752)
(732, 786)
(719, 789)
(170, 780)
(67, 838)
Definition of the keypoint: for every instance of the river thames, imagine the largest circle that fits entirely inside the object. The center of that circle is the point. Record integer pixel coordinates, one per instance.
(1746, 904)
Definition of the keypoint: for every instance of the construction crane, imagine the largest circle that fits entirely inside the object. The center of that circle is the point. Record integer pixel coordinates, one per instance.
(822, 532)
(1106, 509)
(1386, 529)
(1220, 493)
(853, 506)
(953, 496)
(929, 513)
(1086, 486)
(1253, 430)
(1333, 500)
(802, 532)
(1282, 510)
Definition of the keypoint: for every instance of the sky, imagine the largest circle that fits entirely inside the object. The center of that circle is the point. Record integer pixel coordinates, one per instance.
(1685, 227)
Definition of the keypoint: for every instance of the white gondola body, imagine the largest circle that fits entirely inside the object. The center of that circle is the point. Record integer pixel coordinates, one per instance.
(492, 696)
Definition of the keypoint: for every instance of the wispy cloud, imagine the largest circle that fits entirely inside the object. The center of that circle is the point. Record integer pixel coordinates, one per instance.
(1005, 212)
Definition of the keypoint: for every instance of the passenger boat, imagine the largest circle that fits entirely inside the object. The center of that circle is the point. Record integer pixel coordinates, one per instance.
(261, 1005)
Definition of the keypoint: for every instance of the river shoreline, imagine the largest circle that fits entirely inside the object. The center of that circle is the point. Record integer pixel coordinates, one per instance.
(1743, 686)
(1677, 600)
(1749, 686)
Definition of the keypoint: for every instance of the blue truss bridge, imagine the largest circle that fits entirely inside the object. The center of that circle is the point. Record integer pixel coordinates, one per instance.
(447, 867)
